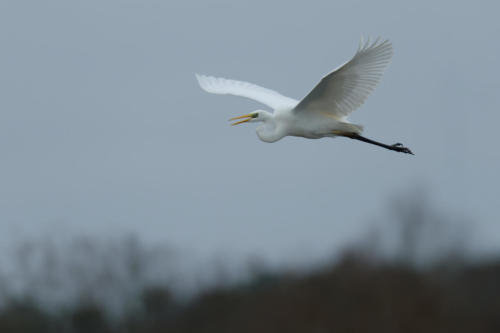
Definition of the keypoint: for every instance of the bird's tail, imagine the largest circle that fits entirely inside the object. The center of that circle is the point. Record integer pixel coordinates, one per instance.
(350, 128)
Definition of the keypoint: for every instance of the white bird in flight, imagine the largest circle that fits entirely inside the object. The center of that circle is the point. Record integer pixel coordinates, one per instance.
(323, 112)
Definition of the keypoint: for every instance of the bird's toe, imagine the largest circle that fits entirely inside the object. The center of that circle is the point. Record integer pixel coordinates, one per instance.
(406, 150)
(400, 148)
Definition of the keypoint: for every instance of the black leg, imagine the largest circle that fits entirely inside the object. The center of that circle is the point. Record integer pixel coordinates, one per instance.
(396, 147)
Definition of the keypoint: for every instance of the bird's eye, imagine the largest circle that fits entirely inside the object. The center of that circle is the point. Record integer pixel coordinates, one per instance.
(255, 115)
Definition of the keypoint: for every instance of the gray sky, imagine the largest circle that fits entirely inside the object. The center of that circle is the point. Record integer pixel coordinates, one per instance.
(103, 128)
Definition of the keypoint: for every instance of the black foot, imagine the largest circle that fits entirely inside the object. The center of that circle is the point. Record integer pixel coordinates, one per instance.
(402, 149)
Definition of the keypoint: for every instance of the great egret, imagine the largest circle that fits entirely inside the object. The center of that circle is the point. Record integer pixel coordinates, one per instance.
(323, 112)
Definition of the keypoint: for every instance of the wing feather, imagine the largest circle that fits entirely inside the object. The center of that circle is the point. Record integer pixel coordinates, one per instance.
(347, 87)
(271, 98)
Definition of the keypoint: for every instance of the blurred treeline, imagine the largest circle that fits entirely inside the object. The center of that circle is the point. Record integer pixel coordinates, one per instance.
(427, 284)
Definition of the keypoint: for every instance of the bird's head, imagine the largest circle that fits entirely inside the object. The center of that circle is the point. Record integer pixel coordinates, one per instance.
(267, 131)
(258, 115)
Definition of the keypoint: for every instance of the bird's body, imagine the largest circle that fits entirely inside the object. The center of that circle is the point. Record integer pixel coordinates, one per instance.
(286, 122)
(323, 112)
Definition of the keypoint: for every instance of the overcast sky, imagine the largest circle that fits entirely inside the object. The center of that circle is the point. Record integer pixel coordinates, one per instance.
(104, 130)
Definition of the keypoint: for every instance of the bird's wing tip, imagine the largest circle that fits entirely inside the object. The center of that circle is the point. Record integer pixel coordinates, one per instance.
(202, 80)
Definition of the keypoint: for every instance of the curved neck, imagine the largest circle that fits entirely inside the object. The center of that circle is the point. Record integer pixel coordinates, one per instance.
(269, 130)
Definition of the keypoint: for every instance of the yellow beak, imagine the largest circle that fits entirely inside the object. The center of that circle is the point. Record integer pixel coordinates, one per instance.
(246, 117)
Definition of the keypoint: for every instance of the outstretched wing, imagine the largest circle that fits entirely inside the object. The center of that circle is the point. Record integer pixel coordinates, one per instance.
(271, 98)
(346, 88)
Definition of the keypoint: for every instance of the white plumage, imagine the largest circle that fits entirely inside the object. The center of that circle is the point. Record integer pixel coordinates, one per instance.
(323, 112)
(221, 86)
